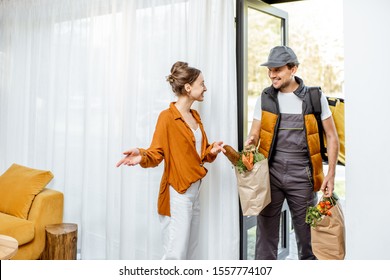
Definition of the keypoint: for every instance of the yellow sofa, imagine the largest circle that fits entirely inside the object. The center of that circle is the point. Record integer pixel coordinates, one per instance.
(26, 207)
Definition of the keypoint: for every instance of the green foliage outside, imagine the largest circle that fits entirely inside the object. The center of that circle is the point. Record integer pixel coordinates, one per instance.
(319, 50)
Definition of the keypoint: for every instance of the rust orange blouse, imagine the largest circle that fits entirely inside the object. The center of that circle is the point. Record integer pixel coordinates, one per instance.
(174, 142)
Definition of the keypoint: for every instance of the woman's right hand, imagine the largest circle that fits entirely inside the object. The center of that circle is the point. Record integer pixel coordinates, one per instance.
(132, 157)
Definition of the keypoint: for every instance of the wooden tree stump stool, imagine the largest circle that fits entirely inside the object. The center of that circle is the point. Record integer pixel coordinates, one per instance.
(61, 242)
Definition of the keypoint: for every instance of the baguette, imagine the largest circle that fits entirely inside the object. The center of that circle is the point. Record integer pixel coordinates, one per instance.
(231, 154)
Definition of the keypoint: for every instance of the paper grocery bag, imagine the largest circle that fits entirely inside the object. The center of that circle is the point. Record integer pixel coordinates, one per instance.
(328, 236)
(254, 188)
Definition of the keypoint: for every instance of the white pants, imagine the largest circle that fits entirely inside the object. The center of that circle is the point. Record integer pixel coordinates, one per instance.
(181, 230)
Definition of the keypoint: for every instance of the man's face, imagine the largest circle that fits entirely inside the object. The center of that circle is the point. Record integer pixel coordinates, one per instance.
(281, 77)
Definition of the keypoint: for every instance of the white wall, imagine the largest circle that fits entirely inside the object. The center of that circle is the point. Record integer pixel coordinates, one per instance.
(367, 93)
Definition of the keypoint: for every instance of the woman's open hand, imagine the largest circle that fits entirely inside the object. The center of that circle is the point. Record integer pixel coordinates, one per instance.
(217, 148)
(132, 157)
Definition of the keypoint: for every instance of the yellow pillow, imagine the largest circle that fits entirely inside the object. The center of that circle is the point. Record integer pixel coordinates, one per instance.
(18, 187)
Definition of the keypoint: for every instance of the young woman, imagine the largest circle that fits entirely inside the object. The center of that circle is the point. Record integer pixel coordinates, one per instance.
(180, 140)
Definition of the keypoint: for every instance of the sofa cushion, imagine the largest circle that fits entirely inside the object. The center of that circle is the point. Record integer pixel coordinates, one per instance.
(18, 187)
(20, 229)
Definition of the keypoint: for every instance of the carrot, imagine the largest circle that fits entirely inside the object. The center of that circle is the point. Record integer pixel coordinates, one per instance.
(247, 163)
(251, 158)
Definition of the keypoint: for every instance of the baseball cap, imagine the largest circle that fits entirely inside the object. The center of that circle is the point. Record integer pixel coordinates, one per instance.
(280, 56)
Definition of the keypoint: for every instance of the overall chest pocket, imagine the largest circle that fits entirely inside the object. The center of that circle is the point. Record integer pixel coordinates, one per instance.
(291, 134)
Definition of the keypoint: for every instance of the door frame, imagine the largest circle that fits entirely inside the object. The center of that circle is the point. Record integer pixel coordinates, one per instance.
(242, 69)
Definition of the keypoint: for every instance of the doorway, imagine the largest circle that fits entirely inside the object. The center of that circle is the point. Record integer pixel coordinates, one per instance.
(259, 28)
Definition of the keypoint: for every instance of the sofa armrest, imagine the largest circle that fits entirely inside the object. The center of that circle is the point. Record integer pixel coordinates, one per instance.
(47, 208)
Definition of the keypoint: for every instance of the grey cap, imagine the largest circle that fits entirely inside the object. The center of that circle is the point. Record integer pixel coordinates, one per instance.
(280, 56)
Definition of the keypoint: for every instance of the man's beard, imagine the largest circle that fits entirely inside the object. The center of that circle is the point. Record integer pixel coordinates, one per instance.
(284, 85)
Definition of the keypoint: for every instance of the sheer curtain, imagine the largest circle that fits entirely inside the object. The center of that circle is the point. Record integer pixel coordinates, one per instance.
(82, 81)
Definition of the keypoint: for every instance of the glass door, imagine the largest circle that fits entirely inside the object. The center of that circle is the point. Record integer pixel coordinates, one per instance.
(259, 28)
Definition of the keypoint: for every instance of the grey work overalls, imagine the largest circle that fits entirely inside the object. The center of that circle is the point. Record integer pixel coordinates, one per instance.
(290, 178)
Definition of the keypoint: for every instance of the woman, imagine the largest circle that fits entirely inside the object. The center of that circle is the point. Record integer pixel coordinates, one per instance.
(180, 140)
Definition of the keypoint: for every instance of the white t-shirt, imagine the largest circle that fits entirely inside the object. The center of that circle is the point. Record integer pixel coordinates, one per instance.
(198, 140)
(289, 103)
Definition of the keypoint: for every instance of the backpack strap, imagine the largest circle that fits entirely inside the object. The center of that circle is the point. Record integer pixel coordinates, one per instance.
(315, 99)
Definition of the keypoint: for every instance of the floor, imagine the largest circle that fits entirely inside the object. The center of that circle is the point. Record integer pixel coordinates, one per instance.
(293, 248)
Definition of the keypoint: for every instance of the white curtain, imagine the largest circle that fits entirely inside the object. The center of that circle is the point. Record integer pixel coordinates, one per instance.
(83, 80)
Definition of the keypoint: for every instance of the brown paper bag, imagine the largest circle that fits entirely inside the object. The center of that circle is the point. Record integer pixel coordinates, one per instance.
(254, 188)
(328, 236)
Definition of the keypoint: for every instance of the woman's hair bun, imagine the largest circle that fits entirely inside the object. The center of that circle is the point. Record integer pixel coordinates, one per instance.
(180, 75)
(170, 78)
(178, 65)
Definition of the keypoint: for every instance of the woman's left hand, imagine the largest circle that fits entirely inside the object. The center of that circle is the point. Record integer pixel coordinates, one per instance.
(217, 148)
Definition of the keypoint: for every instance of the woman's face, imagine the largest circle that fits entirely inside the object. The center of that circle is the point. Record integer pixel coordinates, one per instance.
(197, 89)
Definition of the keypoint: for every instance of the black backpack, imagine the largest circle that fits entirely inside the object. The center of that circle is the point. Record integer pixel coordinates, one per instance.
(336, 106)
